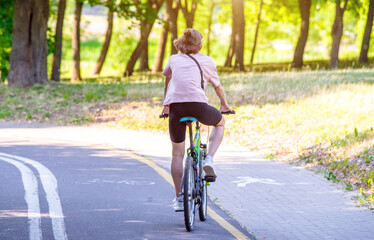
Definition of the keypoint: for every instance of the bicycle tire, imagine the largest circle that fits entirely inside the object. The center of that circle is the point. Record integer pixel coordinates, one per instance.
(189, 198)
(203, 192)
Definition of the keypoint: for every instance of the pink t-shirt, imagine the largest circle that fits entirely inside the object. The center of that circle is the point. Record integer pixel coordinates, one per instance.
(185, 83)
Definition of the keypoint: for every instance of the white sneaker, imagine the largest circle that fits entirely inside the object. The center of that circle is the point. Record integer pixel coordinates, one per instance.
(209, 169)
(178, 204)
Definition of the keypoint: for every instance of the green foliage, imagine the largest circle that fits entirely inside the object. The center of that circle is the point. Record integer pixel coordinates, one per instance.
(51, 39)
(279, 30)
(128, 9)
(331, 177)
(270, 156)
(53, 10)
(6, 25)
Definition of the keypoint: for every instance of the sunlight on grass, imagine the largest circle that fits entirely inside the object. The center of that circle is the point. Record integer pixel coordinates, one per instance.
(325, 117)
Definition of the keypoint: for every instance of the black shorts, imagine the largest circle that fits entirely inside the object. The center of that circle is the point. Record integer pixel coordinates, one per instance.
(203, 112)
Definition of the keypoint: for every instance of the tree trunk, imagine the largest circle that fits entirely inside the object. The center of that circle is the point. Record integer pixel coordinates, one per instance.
(189, 15)
(56, 61)
(28, 58)
(239, 34)
(366, 39)
(146, 27)
(173, 24)
(256, 33)
(76, 74)
(231, 51)
(104, 50)
(145, 31)
(143, 58)
(304, 6)
(210, 21)
(232, 47)
(162, 45)
(337, 32)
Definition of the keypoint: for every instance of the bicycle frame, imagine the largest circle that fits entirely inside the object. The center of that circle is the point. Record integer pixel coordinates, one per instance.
(196, 147)
(194, 151)
(195, 142)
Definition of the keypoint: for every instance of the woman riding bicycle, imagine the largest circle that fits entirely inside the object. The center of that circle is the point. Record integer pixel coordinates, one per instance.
(184, 96)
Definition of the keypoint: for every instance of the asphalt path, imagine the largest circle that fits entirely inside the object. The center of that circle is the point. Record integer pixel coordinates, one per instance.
(65, 191)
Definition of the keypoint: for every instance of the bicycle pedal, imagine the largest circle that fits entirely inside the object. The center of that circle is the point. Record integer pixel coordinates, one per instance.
(210, 179)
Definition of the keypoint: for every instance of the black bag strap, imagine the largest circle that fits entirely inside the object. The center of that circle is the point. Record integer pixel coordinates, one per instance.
(201, 71)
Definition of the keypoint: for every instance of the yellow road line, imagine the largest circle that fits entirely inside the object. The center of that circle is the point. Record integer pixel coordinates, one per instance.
(150, 163)
(220, 220)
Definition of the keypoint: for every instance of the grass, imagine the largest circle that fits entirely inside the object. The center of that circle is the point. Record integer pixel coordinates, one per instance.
(320, 119)
(59, 103)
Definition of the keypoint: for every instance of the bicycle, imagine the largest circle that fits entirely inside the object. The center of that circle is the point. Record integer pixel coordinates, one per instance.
(194, 182)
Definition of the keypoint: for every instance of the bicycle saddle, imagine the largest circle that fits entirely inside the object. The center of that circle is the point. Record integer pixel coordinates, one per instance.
(188, 119)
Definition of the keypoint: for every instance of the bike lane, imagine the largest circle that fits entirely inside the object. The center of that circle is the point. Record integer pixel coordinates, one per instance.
(105, 194)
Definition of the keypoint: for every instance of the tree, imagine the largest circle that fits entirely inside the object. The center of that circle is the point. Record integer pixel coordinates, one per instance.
(123, 9)
(143, 58)
(189, 9)
(149, 14)
(104, 50)
(28, 58)
(56, 60)
(162, 44)
(304, 6)
(257, 28)
(367, 33)
(237, 36)
(76, 74)
(173, 10)
(337, 32)
(238, 20)
(210, 21)
(232, 47)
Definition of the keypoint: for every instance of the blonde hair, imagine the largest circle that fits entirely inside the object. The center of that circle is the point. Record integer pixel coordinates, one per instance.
(190, 42)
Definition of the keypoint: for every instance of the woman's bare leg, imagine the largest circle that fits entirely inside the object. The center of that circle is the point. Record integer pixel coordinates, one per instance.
(177, 165)
(216, 137)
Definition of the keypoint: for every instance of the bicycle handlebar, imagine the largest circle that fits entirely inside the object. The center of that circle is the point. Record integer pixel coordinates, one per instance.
(163, 116)
(229, 112)
(167, 115)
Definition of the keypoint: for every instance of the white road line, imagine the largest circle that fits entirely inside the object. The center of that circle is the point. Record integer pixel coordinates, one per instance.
(30, 184)
(49, 183)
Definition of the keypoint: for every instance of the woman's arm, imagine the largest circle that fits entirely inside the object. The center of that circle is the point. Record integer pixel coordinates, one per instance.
(221, 95)
(167, 80)
(166, 107)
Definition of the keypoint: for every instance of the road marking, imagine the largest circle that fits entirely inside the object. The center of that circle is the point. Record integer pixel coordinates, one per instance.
(164, 174)
(150, 163)
(49, 183)
(220, 220)
(243, 181)
(30, 183)
(128, 182)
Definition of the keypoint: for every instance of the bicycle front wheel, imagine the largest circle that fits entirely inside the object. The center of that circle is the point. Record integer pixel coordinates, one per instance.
(189, 192)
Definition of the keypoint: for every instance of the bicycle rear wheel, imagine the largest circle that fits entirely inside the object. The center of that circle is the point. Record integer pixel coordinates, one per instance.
(189, 194)
(203, 191)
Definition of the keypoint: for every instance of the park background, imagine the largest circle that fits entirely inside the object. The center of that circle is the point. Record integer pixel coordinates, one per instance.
(276, 41)
(318, 114)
